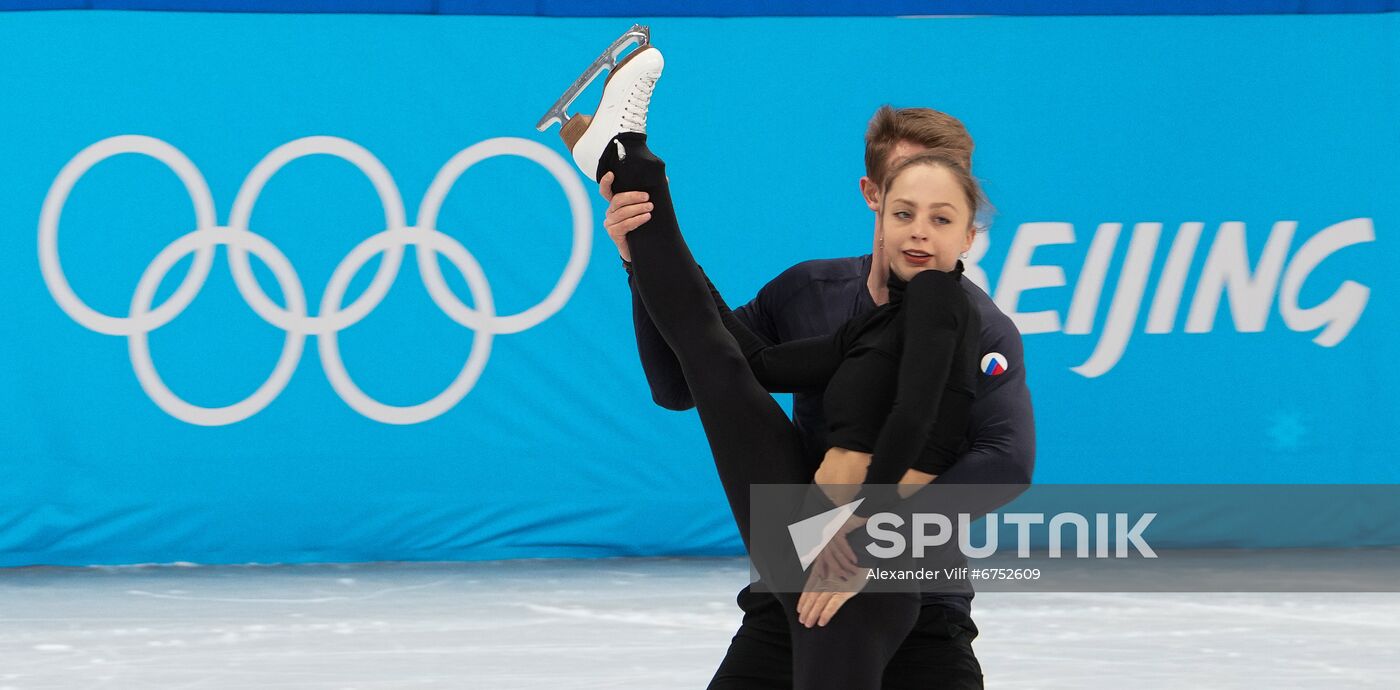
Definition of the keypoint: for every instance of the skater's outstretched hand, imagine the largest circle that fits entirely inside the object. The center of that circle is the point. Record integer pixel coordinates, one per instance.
(823, 597)
(834, 579)
(627, 211)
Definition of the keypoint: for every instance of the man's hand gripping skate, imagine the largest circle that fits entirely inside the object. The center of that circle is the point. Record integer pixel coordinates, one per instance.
(627, 211)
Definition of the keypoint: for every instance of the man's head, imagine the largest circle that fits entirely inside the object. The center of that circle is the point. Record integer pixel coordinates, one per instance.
(897, 133)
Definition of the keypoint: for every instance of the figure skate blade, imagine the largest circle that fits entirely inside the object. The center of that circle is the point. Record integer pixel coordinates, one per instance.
(638, 35)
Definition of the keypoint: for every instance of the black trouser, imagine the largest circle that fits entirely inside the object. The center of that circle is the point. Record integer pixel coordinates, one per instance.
(936, 655)
(751, 438)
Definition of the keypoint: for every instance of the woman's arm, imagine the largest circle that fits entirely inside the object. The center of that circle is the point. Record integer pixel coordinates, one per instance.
(933, 395)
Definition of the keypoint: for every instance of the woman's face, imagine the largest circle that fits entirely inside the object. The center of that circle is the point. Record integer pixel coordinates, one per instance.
(926, 221)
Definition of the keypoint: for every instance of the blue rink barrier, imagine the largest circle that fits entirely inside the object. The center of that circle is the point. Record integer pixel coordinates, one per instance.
(210, 356)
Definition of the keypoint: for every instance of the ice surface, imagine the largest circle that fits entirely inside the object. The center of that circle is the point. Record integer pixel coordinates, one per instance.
(618, 623)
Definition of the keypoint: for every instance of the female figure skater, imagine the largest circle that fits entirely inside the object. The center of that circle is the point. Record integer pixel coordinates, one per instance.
(899, 380)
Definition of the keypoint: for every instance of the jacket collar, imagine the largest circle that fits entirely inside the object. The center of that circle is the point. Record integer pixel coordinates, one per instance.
(897, 285)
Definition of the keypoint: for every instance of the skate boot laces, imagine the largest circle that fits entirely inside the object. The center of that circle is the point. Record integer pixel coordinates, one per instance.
(634, 113)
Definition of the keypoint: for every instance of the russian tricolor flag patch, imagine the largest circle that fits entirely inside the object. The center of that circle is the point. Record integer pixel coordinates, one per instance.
(994, 364)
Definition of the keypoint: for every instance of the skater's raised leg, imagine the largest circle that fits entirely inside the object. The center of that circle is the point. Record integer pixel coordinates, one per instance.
(752, 439)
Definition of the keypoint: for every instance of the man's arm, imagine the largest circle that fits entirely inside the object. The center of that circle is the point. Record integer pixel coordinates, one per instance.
(628, 211)
(659, 363)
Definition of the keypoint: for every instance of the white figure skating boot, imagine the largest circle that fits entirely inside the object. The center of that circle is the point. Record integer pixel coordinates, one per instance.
(623, 107)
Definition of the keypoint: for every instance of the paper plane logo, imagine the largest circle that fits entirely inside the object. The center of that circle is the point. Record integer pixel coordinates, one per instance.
(994, 364)
(811, 535)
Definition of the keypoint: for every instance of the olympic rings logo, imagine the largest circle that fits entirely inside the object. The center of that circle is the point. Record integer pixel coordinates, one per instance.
(332, 317)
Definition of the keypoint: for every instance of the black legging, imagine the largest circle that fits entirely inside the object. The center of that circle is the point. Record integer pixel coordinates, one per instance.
(752, 439)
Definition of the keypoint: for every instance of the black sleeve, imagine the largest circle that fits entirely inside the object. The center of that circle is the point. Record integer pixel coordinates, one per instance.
(798, 365)
(663, 370)
(936, 314)
(659, 363)
(1002, 427)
